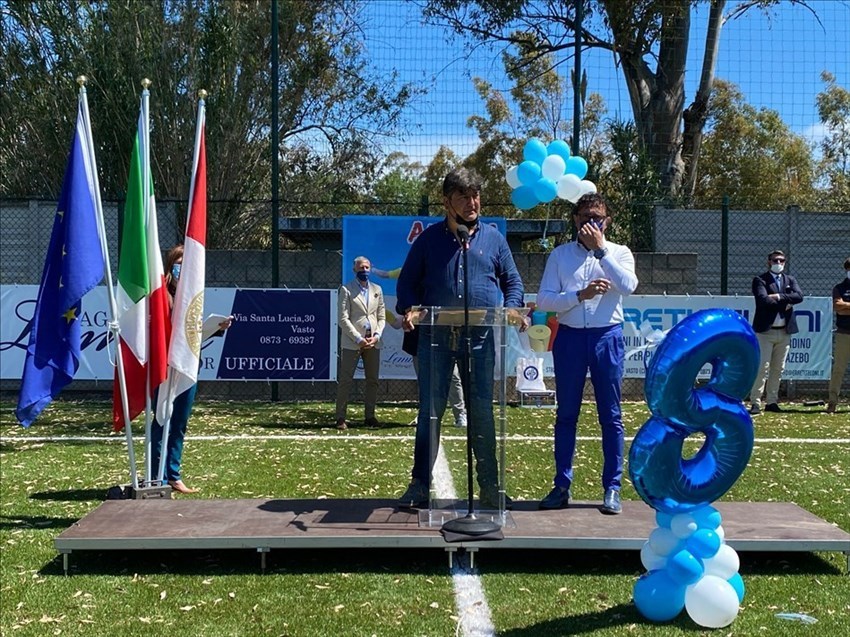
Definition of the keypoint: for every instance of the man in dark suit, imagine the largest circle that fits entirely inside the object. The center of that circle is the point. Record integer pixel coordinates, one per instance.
(776, 293)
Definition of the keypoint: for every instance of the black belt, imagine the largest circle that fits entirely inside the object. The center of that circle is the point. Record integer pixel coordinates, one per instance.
(777, 328)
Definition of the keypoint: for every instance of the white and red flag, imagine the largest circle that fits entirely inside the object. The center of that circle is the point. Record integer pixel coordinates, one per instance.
(142, 298)
(184, 350)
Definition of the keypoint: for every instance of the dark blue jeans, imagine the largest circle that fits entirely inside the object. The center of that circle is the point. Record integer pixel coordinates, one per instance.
(574, 352)
(439, 348)
(176, 433)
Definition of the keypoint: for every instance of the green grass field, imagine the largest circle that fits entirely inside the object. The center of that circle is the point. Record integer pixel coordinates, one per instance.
(263, 450)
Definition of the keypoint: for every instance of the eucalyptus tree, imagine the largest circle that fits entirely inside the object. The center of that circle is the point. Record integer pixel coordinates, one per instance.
(649, 41)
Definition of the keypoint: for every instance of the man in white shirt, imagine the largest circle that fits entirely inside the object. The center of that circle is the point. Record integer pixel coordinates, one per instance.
(585, 282)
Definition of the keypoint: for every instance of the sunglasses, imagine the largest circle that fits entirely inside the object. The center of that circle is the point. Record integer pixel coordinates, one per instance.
(777, 260)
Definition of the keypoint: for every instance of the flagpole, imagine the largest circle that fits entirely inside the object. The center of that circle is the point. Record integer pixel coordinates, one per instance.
(169, 382)
(146, 207)
(113, 306)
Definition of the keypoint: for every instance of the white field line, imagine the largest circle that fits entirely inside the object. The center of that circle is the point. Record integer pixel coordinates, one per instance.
(471, 603)
(356, 437)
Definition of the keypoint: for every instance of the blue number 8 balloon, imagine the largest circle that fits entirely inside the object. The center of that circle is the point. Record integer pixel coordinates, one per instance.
(661, 476)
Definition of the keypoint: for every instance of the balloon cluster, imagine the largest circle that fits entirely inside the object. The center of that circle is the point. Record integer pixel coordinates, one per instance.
(547, 172)
(690, 566)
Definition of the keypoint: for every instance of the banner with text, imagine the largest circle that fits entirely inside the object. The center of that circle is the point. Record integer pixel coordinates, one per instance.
(276, 334)
(810, 357)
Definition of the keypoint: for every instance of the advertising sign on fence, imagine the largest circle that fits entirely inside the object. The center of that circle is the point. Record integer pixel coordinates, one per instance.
(276, 334)
(292, 335)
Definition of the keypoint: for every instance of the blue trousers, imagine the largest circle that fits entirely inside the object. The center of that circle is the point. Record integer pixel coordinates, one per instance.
(574, 352)
(438, 353)
(176, 433)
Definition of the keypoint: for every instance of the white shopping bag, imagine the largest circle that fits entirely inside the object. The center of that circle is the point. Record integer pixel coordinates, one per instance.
(529, 374)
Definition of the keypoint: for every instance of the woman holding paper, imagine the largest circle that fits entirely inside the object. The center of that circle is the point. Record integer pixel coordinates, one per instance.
(182, 408)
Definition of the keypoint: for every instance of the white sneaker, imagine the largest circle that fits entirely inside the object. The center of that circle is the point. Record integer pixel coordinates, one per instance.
(460, 421)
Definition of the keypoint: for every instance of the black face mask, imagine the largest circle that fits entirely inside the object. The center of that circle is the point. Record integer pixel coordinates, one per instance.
(463, 222)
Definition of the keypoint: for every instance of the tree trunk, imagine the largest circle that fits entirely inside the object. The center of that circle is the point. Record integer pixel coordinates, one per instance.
(658, 98)
(696, 114)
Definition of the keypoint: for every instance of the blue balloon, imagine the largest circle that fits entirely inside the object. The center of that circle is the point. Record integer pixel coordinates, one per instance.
(559, 147)
(663, 519)
(528, 172)
(661, 476)
(545, 189)
(707, 517)
(534, 150)
(704, 543)
(657, 597)
(737, 583)
(684, 568)
(524, 197)
(576, 166)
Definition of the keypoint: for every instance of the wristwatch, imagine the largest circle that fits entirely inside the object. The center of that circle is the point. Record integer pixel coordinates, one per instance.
(601, 252)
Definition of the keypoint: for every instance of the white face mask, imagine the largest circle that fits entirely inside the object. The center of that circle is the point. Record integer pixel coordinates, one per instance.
(777, 268)
(848, 274)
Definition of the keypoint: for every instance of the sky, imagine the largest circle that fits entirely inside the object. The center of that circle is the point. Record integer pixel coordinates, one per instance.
(775, 59)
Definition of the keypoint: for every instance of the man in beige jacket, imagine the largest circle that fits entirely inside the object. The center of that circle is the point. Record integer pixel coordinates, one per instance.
(361, 323)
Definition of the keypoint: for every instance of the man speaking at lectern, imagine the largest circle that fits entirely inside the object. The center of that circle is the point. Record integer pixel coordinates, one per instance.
(433, 275)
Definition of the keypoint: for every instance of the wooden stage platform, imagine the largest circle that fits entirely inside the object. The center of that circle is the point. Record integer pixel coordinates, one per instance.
(263, 525)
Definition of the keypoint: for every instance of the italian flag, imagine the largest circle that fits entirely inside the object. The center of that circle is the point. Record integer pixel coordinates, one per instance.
(142, 298)
(184, 349)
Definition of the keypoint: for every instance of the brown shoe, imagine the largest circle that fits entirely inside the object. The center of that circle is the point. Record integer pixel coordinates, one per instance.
(341, 424)
(178, 486)
(831, 407)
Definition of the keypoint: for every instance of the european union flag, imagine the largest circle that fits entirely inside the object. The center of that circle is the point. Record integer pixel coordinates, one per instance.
(74, 265)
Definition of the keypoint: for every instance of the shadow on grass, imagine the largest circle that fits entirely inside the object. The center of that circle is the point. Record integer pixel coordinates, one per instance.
(319, 419)
(71, 495)
(9, 522)
(619, 615)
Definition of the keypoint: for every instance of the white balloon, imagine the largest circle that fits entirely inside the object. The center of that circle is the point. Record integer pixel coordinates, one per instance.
(724, 564)
(569, 188)
(662, 541)
(553, 167)
(711, 602)
(586, 187)
(720, 533)
(512, 178)
(683, 525)
(650, 559)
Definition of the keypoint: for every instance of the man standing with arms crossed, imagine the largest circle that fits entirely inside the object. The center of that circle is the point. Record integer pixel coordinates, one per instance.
(585, 282)
(776, 293)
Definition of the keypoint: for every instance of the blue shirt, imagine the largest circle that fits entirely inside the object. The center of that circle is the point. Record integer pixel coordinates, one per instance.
(433, 271)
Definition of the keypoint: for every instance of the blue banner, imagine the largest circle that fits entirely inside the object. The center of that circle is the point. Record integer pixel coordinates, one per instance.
(280, 335)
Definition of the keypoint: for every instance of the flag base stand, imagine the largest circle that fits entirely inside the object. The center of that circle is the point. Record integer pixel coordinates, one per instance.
(142, 492)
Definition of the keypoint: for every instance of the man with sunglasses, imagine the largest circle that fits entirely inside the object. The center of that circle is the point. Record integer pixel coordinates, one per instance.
(776, 293)
(584, 282)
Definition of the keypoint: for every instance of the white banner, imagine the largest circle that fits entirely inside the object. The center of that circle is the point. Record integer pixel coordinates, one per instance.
(810, 357)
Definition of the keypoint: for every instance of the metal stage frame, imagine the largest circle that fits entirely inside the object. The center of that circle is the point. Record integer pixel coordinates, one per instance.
(263, 525)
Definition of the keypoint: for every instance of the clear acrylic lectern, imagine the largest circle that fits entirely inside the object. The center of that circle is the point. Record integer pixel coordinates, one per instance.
(476, 341)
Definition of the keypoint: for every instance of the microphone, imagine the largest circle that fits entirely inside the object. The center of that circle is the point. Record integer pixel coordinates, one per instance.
(463, 235)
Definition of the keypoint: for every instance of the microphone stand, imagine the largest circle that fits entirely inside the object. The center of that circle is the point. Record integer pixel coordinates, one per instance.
(470, 524)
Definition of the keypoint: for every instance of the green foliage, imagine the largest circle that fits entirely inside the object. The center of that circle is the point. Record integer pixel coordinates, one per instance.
(753, 157)
(834, 111)
(333, 107)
